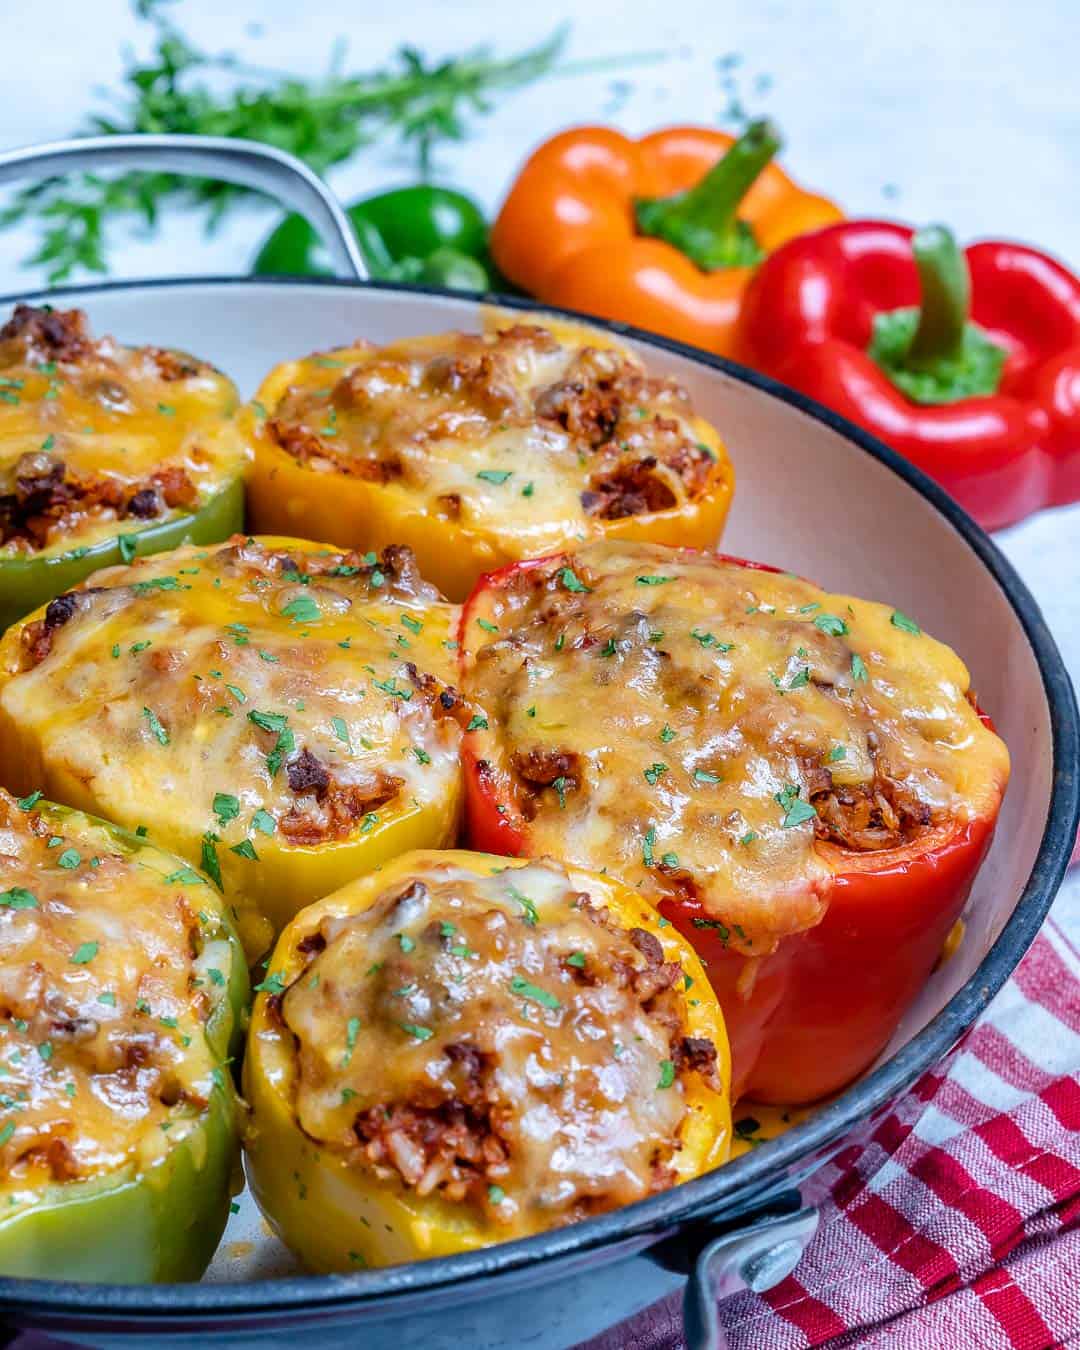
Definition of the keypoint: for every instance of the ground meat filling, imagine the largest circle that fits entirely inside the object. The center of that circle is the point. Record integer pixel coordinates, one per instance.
(46, 334)
(470, 1014)
(328, 809)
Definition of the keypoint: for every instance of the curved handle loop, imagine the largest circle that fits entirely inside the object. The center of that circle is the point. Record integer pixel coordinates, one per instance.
(247, 163)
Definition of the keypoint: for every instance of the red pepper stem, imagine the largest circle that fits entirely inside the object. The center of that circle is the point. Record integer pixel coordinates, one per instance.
(945, 284)
(719, 194)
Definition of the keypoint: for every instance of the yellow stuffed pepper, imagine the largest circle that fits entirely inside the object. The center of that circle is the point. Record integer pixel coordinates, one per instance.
(478, 450)
(276, 712)
(463, 1049)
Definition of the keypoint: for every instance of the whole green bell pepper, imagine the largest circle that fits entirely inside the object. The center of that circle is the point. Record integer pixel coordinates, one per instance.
(422, 234)
(27, 582)
(163, 1221)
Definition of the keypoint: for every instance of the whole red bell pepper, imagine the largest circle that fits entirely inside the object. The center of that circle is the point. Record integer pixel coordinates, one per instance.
(806, 1019)
(967, 362)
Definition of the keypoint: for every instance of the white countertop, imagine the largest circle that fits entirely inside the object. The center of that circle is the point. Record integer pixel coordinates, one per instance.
(965, 112)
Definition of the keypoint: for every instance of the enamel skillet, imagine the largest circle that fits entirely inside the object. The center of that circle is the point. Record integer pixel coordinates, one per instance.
(815, 495)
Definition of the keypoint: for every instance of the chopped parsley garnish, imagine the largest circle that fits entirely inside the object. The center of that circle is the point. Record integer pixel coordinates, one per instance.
(705, 777)
(666, 734)
(495, 1194)
(405, 942)
(18, 897)
(245, 849)
(166, 410)
(413, 625)
(264, 822)
(653, 580)
(302, 610)
(158, 584)
(667, 1074)
(352, 1030)
(28, 803)
(902, 621)
(609, 648)
(531, 914)
(209, 863)
(709, 640)
(153, 722)
(226, 807)
(69, 859)
(84, 953)
(416, 1032)
(654, 773)
(109, 998)
(836, 754)
(570, 581)
(832, 624)
(796, 811)
(478, 722)
(647, 846)
(859, 673)
(341, 730)
(496, 476)
(576, 959)
(391, 687)
(422, 756)
(273, 984)
(533, 993)
(528, 490)
(8, 1130)
(720, 929)
(187, 875)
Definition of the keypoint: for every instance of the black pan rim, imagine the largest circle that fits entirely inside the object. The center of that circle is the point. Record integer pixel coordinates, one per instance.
(727, 1187)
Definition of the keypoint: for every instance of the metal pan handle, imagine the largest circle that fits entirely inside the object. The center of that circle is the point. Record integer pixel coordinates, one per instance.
(755, 1257)
(248, 163)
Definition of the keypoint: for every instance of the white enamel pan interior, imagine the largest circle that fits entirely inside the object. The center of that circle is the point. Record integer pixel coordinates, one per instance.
(813, 496)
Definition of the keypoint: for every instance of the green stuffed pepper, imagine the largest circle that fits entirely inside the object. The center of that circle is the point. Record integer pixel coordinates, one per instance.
(106, 452)
(425, 235)
(124, 994)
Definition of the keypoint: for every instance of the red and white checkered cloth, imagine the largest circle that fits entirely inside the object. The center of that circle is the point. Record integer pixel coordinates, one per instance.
(958, 1223)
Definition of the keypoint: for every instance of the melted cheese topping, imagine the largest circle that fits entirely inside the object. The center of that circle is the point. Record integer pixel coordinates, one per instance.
(529, 435)
(241, 698)
(497, 1039)
(701, 727)
(104, 966)
(85, 426)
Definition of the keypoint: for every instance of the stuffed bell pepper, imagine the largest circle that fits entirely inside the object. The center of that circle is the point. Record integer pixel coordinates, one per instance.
(799, 781)
(105, 452)
(965, 361)
(663, 232)
(479, 449)
(460, 1050)
(276, 712)
(124, 996)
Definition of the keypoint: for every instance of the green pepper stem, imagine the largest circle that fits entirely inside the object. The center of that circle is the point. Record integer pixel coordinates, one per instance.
(945, 285)
(703, 222)
(719, 194)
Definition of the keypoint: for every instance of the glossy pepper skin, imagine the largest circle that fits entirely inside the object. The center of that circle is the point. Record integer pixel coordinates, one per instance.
(164, 1224)
(570, 231)
(423, 234)
(808, 1018)
(336, 1216)
(26, 583)
(808, 320)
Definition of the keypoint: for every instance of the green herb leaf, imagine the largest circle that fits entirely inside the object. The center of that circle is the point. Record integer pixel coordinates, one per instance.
(496, 476)
(302, 610)
(84, 953)
(158, 731)
(832, 624)
(569, 579)
(18, 897)
(533, 993)
(226, 807)
(902, 621)
(667, 1074)
(28, 803)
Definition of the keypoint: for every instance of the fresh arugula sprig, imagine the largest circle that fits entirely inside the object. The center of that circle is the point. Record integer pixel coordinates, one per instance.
(323, 121)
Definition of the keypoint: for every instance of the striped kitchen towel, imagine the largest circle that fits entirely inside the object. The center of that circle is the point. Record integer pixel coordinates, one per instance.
(957, 1224)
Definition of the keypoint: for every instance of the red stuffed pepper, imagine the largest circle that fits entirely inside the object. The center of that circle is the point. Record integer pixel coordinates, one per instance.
(966, 362)
(799, 781)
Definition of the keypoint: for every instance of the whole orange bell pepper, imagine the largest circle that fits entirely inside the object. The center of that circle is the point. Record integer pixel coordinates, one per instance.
(663, 232)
